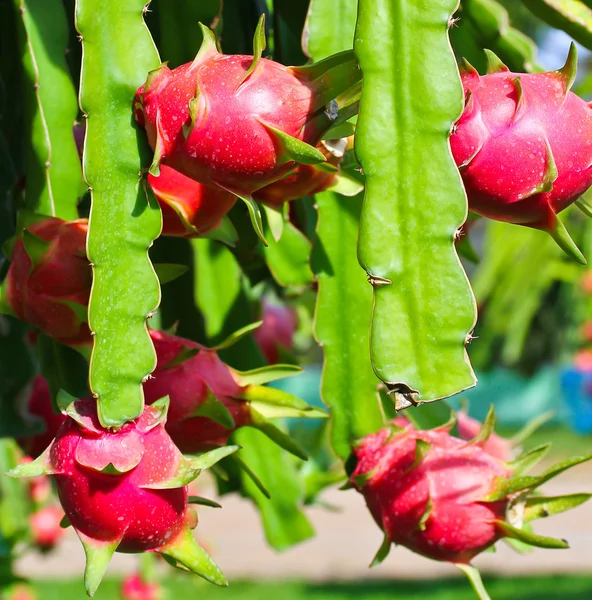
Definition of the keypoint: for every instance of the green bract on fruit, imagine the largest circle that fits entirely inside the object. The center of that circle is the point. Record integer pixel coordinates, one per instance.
(125, 490)
(523, 146)
(49, 279)
(450, 499)
(240, 122)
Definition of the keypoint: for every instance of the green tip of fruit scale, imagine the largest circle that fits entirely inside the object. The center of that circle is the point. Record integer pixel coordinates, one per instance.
(585, 205)
(474, 577)
(569, 70)
(186, 551)
(494, 63)
(486, 429)
(466, 67)
(208, 46)
(193, 110)
(40, 466)
(259, 44)
(520, 101)
(559, 233)
(292, 149)
(98, 556)
(382, 553)
(527, 537)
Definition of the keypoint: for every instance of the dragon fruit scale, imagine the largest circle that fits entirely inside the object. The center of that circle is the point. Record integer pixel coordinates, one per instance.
(240, 122)
(125, 490)
(49, 279)
(450, 499)
(523, 146)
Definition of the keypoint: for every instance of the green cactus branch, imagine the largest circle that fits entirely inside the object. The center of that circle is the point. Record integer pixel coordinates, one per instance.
(54, 176)
(118, 52)
(424, 309)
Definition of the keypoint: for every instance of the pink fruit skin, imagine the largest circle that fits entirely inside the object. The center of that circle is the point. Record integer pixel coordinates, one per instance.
(39, 406)
(21, 592)
(452, 479)
(188, 385)
(278, 328)
(45, 526)
(188, 208)
(111, 507)
(495, 445)
(500, 146)
(63, 273)
(228, 146)
(135, 588)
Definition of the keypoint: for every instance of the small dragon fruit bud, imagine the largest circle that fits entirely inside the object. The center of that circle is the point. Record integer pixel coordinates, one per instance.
(449, 499)
(125, 490)
(189, 208)
(240, 122)
(523, 147)
(134, 587)
(49, 279)
(38, 406)
(277, 330)
(45, 527)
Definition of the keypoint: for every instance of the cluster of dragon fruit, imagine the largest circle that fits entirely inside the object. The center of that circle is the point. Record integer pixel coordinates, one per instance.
(228, 127)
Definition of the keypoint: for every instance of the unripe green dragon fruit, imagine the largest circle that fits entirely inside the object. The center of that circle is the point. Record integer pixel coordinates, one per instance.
(450, 499)
(125, 490)
(524, 146)
(238, 122)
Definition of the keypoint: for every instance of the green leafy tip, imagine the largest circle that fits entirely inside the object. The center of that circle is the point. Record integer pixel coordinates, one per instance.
(208, 46)
(259, 44)
(569, 70)
(494, 63)
(290, 148)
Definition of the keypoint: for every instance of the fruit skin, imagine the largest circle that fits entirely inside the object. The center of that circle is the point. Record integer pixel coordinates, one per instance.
(277, 330)
(45, 527)
(434, 504)
(228, 144)
(63, 273)
(117, 507)
(189, 384)
(134, 587)
(38, 406)
(189, 208)
(515, 130)
(495, 444)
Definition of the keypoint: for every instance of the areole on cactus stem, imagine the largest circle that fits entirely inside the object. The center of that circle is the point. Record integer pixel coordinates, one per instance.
(239, 123)
(523, 146)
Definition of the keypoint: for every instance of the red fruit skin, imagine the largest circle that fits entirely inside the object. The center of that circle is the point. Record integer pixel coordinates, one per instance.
(188, 385)
(20, 591)
(45, 527)
(111, 507)
(510, 142)
(134, 587)
(452, 479)
(277, 330)
(63, 273)
(228, 146)
(495, 445)
(38, 405)
(189, 209)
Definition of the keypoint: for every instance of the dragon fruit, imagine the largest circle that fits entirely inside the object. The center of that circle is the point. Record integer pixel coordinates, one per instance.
(495, 445)
(449, 499)
(45, 527)
(240, 122)
(209, 400)
(125, 490)
(523, 146)
(134, 587)
(189, 208)
(39, 407)
(277, 330)
(49, 279)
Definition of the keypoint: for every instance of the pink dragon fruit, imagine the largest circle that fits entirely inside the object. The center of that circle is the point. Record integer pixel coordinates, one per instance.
(38, 406)
(277, 330)
(209, 400)
(45, 527)
(523, 146)
(240, 122)
(49, 279)
(20, 591)
(189, 208)
(135, 588)
(495, 445)
(125, 490)
(449, 499)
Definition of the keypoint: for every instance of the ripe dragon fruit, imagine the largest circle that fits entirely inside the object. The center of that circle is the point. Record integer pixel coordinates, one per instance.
(523, 146)
(45, 527)
(125, 490)
(134, 587)
(449, 499)
(241, 122)
(209, 400)
(49, 279)
(276, 331)
(39, 407)
(189, 208)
